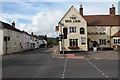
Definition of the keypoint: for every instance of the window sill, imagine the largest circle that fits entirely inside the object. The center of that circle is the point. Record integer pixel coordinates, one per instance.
(73, 47)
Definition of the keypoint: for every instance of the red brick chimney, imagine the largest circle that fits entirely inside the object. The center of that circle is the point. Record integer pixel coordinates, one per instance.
(112, 11)
(81, 10)
(13, 24)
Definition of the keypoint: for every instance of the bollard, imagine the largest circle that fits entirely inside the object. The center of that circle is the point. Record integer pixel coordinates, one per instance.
(94, 49)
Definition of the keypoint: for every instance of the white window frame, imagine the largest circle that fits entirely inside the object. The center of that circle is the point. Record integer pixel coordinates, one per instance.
(73, 40)
(83, 40)
(102, 41)
(117, 41)
(72, 29)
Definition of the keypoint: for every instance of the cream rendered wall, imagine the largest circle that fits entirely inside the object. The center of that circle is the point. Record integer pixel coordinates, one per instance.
(76, 35)
(114, 29)
(1, 41)
(14, 43)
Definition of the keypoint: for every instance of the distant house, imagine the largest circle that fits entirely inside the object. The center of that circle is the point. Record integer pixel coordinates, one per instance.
(12, 38)
(26, 41)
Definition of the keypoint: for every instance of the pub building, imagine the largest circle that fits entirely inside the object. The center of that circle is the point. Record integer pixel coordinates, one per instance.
(83, 32)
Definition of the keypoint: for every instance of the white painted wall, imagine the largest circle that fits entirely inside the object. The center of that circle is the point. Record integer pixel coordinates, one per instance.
(1, 41)
(77, 35)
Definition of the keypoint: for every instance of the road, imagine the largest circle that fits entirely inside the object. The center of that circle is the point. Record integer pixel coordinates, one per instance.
(40, 64)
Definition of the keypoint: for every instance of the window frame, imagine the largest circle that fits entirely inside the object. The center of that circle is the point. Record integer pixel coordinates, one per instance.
(116, 41)
(72, 29)
(82, 30)
(73, 42)
(102, 41)
(83, 40)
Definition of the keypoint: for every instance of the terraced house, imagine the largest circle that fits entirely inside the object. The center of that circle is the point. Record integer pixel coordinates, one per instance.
(82, 32)
(11, 39)
(14, 40)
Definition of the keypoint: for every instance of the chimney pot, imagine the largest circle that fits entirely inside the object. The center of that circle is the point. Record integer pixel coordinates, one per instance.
(32, 33)
(13, 24)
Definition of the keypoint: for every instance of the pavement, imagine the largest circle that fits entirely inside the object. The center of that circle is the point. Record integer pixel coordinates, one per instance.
(108, 55)
(41, 63)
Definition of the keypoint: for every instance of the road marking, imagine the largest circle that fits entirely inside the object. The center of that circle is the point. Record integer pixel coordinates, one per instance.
(103, 73)
(106, 76)
(63, 75)
(100, 71)
(97, 68)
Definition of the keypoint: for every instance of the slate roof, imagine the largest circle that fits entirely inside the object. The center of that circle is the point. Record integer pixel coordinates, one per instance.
(102, 20)
(8, 26)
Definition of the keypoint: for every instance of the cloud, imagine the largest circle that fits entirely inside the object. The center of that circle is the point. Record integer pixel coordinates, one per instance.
(43, 23)
(15, 16)
(61, 0)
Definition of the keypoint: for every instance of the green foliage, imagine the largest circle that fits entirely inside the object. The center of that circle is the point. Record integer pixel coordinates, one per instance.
(52, 41)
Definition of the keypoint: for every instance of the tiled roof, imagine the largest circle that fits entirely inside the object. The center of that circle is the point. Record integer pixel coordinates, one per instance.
(102, 20)
(8, 26)
(116, 34)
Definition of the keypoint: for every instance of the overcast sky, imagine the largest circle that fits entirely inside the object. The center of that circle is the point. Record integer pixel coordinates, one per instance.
(42, 17)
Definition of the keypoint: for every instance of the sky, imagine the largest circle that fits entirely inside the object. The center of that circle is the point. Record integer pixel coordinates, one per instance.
(42, 17)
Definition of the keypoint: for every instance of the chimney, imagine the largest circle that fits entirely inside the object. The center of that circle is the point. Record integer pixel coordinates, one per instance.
(32, 33)
(112, 10)
(81, 10)
(13, 24)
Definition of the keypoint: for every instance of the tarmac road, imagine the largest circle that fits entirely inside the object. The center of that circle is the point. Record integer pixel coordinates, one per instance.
(40, 64)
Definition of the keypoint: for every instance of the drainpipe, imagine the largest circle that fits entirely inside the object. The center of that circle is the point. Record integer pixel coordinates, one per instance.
(6, 46)
(110, 35)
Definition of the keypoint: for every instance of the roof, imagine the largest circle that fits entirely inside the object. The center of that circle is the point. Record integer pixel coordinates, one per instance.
(102, 20)
(8, 26)
(116, 34)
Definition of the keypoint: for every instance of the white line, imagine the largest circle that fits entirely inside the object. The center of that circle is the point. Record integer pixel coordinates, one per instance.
(63, 75)
(106, 76)
(100, 71)
(103, 73)
(97, 68)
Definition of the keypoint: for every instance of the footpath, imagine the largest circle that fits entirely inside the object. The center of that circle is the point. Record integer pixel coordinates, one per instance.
(108, 55)
(99, 55)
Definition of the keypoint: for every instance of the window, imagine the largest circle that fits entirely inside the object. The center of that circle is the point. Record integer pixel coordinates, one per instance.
(116, 41)
(102, 41)
(17, 35)
(83, 40)
(102, 29)
(73, 42)
(82, 31)
(65, 31)
(72, 29)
